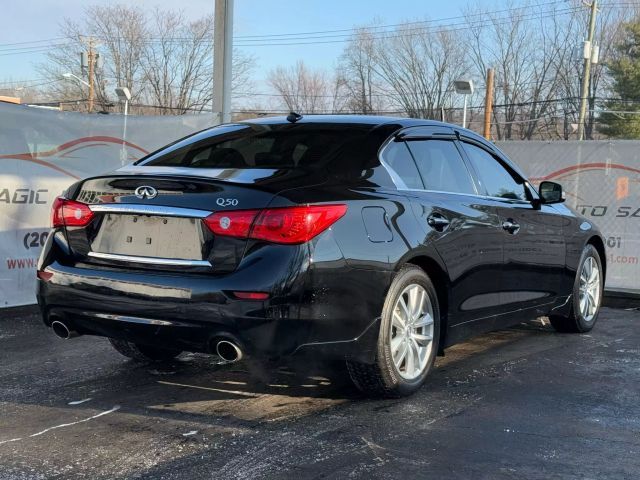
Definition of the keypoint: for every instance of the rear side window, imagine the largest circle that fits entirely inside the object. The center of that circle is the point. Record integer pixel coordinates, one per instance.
(261, 146)
(494, 178)
(441, 166)
(398, 158)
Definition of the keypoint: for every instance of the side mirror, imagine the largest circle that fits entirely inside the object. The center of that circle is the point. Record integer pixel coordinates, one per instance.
(551, 192)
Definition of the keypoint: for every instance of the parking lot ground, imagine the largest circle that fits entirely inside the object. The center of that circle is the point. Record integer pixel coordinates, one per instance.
(520, 403)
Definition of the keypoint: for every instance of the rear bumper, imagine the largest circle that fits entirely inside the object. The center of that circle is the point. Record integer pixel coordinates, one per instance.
(192, 311)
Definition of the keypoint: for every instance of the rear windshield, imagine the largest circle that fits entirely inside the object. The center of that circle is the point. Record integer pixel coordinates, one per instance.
(251, 146)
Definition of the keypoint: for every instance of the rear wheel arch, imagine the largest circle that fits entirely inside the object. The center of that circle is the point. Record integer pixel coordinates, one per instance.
(441, 283)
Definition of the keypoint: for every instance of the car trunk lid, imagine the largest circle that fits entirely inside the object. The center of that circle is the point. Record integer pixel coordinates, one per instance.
(156, 222)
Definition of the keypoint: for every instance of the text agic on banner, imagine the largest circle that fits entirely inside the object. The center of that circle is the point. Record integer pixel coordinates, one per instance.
(42, 152)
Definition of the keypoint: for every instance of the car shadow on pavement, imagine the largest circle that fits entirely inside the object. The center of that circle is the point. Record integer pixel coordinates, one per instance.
(204, 387)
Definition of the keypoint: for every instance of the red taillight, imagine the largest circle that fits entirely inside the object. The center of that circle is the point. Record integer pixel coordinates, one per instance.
(56, 212)
(295, 224)
(232, 224)
(69, 213)
(288, 225)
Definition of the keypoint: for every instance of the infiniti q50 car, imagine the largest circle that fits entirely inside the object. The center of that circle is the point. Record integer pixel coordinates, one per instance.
(377, 241)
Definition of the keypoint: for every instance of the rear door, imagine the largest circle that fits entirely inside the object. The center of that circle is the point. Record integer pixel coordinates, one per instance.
(534, 246)
(464, 228)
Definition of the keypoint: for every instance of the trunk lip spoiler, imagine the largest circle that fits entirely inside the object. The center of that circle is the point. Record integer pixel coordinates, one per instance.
(134, 208)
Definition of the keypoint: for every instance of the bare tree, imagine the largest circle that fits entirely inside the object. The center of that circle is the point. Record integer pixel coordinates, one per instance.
(357, 72)
(418, 66)
(524, 47)
(538, 74)
(301, 89)
(610, 29)
(120, 36)
(177, 64)
(122, 33)
(163, 59)
(569, 68)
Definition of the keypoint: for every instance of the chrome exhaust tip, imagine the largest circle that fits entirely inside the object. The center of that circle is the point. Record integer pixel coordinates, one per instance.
(62, 330)
(228, 351)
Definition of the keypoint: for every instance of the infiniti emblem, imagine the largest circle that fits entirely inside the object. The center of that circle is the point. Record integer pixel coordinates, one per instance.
(146, 191)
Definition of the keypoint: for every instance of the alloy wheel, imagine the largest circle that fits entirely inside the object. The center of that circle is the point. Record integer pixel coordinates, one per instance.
(411, 336)
(589, 290)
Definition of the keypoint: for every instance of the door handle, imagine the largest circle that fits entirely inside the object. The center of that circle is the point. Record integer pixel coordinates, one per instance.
(438, 222)
(511, 226)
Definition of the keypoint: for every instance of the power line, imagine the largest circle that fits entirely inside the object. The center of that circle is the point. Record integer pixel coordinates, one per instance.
(46, 40)
(293, 38)
(402, 29)
(353, 30)
(35, 50)
(415, 31)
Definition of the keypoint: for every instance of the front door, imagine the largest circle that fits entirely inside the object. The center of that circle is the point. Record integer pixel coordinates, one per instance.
(534, 247)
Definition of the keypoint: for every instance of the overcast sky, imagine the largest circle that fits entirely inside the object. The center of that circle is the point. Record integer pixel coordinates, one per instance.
(27, 20)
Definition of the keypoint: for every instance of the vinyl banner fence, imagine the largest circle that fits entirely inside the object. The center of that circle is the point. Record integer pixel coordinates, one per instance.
(602, 181)
(42, 152)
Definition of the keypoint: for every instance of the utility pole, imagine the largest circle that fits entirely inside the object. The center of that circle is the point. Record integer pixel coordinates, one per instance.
(90, 58)
(586, 73)
(488, 104)
(222, 60)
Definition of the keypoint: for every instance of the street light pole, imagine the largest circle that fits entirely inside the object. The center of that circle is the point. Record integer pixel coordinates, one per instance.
(124, 95)
(123, 156)
(70, 75)
(464, 112)
(222, 60)
(464, 87)
(586, 75)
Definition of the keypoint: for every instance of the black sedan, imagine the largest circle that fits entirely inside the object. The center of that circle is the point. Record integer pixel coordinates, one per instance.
(378, 241)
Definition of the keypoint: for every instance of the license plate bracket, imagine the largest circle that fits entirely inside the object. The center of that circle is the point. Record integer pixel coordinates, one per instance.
(150, 236)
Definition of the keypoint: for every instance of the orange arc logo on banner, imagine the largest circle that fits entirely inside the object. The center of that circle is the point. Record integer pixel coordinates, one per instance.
(622, 188)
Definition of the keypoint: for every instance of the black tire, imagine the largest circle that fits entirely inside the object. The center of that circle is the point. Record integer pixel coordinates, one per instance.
(144, 353)
(382, 379)
(575, 322)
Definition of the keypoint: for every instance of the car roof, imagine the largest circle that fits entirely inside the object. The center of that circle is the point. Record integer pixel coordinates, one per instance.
(373, 120)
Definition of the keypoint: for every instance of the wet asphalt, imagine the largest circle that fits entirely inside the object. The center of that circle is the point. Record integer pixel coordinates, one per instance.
(520, 403)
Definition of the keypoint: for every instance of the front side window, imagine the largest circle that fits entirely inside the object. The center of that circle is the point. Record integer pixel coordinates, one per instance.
(441, 166)
(495, 180)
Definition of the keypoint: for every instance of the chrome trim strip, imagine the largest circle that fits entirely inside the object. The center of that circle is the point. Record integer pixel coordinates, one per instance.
(563, 304)
(143, 321)
(133, 208)
(150, 260)
(533, 307)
